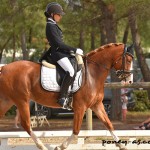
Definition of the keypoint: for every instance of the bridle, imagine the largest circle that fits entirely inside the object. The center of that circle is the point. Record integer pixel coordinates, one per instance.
(121, 74)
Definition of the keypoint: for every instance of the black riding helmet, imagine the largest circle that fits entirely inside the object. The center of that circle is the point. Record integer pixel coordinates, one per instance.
(54, 8)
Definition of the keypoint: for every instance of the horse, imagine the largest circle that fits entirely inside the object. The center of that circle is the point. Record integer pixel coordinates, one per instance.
(20, 82)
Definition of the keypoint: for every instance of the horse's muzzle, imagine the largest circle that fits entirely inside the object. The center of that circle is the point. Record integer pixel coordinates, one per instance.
(123, 74)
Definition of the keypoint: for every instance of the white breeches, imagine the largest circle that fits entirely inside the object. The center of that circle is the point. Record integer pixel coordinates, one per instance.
(66, 65)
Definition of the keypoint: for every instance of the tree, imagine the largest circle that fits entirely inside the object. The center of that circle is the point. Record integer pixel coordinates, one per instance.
(138, 49)
(109, 26)
(18, 18)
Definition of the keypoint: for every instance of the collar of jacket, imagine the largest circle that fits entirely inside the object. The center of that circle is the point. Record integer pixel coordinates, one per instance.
(51, 20)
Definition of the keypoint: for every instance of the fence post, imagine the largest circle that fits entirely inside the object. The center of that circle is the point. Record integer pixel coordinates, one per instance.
(89, 119)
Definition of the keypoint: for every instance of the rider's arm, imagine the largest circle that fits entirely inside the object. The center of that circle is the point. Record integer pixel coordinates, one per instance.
(54, 36)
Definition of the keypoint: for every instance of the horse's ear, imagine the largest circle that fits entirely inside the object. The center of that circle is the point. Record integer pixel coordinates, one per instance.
(130, 49)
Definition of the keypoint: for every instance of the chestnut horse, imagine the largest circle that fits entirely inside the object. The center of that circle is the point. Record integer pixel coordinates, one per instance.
(20, 82)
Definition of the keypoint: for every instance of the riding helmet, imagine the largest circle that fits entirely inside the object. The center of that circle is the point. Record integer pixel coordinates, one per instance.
(54, 8)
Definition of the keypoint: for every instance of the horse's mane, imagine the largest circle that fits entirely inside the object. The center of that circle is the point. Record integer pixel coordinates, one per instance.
(102, 48)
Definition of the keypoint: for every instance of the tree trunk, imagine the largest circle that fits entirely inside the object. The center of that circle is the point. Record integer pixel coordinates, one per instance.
(108, 21)
(23, 46)
(3, 47)
(108, 26)
(30, 38)
(92, 40)
(1, 53)
(103, 38)
(92, 35)
(126, 32)
(81, 39)
(14, 47)
(138, 49)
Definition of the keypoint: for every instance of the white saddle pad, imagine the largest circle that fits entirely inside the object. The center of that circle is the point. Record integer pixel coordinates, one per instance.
(48, 80)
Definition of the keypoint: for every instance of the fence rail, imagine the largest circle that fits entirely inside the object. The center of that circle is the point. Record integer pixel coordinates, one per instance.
(102, 142)
(115, 85)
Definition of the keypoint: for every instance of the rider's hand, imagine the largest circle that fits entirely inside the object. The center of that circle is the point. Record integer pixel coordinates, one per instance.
(79, 51)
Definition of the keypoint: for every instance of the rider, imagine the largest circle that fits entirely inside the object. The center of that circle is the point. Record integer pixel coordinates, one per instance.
(60, 52)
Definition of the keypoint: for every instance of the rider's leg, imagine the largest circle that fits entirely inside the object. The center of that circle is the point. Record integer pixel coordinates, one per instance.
(66, 65)
(67, 81)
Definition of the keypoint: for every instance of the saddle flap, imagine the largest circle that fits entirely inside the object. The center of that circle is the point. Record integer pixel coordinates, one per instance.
(49, 81)
(60, 73)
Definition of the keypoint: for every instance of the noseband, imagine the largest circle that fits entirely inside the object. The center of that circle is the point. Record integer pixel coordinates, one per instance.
(123, 74)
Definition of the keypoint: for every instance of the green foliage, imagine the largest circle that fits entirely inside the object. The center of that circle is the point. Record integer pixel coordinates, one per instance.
(36, 55)
(11, 111)
(140, 106)
(28, 15)
(142, 102)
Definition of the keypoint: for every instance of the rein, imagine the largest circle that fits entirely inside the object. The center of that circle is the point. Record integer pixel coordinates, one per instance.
(86, 59)
(98, 64)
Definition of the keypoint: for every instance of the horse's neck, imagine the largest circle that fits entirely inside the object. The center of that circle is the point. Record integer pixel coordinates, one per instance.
(99, 65)
(103, 59)
(96, 72)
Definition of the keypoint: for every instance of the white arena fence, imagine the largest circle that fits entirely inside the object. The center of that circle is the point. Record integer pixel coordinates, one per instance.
(133, 139)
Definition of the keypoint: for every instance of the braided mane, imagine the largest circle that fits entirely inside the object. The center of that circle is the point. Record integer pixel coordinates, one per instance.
(102, 48)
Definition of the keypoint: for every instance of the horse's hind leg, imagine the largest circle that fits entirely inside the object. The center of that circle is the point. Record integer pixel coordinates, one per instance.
(25, 122)
(5, 105)
(101, 114)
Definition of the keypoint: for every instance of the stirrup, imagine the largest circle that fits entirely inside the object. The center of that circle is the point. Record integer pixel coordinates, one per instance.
(64, 103)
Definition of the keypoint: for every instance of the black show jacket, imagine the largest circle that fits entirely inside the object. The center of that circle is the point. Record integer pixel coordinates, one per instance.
(54, 36)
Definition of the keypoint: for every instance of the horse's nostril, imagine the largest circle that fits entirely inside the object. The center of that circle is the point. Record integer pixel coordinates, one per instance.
(130, 82)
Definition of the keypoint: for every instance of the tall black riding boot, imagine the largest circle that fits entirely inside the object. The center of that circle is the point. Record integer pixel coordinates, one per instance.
(67, 81)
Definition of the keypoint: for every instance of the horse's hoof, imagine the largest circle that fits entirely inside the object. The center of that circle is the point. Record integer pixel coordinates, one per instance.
(42, 147)
(57, 148)
(123, 148)
(61, 147)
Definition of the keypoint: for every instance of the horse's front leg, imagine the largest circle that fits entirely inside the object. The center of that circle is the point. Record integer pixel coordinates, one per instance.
(77, 121)
(99, 110)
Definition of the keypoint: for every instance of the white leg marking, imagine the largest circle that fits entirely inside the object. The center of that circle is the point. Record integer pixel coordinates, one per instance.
(116, 138)
(37, 141)
(66, 143)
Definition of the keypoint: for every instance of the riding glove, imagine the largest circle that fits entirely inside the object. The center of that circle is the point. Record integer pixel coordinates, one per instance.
(79, 51)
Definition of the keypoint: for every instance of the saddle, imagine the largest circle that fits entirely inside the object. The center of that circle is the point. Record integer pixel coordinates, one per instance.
(52, 75)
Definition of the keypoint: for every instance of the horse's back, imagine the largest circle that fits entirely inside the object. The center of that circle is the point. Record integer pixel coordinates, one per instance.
(19, 67)
(18, 73)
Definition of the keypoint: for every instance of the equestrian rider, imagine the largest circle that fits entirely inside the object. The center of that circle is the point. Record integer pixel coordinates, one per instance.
(60, 52)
